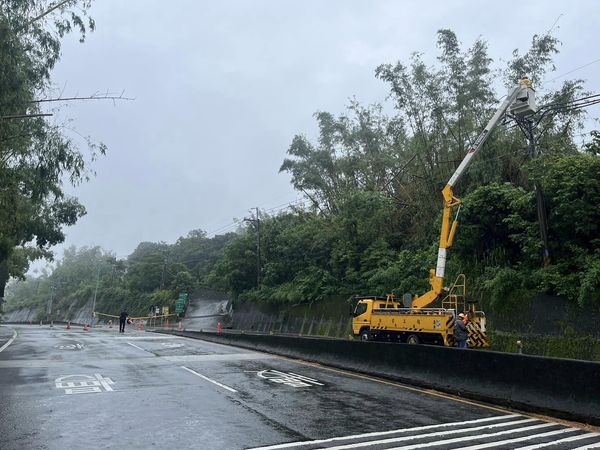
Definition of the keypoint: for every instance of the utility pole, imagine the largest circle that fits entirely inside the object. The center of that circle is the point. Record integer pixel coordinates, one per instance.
(258, 259)
(258, 249)
(95, 293)
(162, 275)
(49, 307)
(527, 127)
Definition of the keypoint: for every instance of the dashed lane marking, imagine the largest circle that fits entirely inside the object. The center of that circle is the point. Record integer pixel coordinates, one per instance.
(10, 341)
(217, 357)
(140, 348)
(209, 379)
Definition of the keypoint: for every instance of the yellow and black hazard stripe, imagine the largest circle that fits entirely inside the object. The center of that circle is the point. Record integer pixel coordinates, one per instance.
(477, 338)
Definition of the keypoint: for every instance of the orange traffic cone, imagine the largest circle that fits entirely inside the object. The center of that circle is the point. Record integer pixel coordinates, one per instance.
(219, 327)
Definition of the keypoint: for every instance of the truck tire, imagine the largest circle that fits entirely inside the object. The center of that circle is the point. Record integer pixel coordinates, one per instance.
(365, 335)
(413, 339)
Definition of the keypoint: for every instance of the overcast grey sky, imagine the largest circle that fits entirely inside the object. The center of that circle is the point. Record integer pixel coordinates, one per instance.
(222, 87)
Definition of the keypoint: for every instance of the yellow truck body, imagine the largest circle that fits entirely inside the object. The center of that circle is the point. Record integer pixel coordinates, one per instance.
(385, 319)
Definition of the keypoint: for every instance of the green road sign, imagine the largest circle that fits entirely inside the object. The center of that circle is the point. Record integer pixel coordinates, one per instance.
(180, 303)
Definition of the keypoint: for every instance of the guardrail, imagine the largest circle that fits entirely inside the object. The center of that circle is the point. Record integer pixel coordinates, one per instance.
(563, 388)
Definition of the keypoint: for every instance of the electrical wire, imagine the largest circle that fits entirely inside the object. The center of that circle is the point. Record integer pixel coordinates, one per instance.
(570, 72)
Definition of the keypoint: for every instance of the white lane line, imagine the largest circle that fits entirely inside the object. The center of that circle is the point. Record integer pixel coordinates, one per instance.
(444, 433)
(10, 341)
(585, 447)
(460, 440)
(560, 441)
(521, 439)
(384, 433)
(133, 345)
(209, 379)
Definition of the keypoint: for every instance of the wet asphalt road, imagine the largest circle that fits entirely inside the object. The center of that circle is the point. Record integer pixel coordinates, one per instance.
(69, 389)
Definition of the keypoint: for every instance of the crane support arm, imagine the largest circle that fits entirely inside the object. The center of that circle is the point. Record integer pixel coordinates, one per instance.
(436, 277)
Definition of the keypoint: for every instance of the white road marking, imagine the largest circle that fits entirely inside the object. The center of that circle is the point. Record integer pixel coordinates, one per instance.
(521, 439)
(585, 447)
(560, 441)
(83, 384)
(289, 379)
(446, 433)
(133, 345)
(462, 439)
(218, 357)
(69, 346)
(149, 338)
(385, 433)
(209, 379)
(10, 341)
(172, 344)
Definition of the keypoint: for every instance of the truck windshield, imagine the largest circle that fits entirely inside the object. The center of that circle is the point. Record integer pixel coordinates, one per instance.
(361, 308)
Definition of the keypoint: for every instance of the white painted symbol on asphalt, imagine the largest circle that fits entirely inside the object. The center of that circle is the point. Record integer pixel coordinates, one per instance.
(289, 378)
(84, 384)
(69, 347)
(171, 345)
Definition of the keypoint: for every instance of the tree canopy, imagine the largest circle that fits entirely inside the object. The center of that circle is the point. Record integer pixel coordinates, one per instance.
(36, 155)
(372, 181)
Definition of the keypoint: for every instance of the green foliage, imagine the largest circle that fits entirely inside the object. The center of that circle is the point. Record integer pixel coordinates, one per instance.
(564, 346)
(36, 157)
(374, 184)
(589, 294)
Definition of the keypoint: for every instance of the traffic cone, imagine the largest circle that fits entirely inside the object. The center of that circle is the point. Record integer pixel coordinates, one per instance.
(219, 327)
(69, 325)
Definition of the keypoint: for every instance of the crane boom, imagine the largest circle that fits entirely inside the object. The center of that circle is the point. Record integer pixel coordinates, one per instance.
(522, 94)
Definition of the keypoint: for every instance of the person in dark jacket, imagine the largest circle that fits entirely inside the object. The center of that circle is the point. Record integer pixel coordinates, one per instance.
(122, 320)
(460, 331)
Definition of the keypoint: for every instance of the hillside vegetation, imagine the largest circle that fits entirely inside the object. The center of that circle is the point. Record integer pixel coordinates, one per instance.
(371, 221)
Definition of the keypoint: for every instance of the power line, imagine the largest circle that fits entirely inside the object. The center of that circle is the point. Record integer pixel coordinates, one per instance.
(570, 72)
(274, 209)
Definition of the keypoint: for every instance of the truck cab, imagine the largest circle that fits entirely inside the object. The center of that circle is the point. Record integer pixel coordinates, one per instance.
(363, 311)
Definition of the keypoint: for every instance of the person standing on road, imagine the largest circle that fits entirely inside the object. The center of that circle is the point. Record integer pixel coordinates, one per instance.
(460, 331)
(122, 319)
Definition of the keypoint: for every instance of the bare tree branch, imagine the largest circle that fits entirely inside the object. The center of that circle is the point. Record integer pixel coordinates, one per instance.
(24, 116)
(107, 96)
(45, 13)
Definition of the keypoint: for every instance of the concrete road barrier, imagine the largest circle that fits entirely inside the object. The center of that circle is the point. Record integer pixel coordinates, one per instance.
(564, 388)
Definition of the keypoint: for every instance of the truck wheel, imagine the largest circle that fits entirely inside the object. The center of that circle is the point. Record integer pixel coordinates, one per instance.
(413, 339)
(365, 335)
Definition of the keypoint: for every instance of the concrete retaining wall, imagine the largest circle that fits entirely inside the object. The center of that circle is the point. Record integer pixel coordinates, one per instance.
(563, 388)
